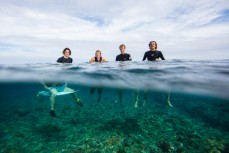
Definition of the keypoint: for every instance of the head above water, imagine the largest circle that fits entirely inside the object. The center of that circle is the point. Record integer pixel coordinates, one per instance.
(98, 53)
(153, 45)
(122, 48)
(67, 52)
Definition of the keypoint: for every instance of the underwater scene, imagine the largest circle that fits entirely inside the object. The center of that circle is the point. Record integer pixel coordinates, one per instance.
(172, 106)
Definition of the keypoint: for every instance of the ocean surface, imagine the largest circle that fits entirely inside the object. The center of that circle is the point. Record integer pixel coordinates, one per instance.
(178, 106)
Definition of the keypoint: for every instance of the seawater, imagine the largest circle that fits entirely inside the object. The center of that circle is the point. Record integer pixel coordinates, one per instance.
(133, 114)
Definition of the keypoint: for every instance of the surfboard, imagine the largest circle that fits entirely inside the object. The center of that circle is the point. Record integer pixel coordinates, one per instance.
(43, 93)
(64, 93)
(47, 93)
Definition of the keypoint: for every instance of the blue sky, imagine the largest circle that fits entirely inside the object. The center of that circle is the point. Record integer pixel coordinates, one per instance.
(38, 30)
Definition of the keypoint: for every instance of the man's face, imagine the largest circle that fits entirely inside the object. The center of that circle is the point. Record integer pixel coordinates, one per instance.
(67, 53)
(152, 46)
(122, 49)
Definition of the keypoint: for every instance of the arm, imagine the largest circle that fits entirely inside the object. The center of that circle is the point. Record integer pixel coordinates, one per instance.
(45, 86)
(92, 60)
(161, 56)
(116, 58)
(104, 60)
(59, 60)
(130, 59)
(144, 58)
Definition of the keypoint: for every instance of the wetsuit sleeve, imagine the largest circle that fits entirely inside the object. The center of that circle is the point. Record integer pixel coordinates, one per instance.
(130, 59)
(71, 60)
(59, 60)
(161, 56)
(116, 58)
(144, 58)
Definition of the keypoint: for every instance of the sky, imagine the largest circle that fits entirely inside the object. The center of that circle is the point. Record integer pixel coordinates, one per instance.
(38, 30)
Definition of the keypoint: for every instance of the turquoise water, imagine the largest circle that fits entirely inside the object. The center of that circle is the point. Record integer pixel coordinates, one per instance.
(198, 120)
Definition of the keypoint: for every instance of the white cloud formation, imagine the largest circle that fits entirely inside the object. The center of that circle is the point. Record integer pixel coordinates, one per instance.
(183, 29)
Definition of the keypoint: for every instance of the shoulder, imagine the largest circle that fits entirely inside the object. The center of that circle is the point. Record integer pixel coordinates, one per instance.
(92, 59)
(69, 58)
(119, 55)
(104, 59)
(60, 59)
(127, 54)
(147, 52)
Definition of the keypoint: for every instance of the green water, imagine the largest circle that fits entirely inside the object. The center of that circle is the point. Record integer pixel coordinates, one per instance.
(195, 123)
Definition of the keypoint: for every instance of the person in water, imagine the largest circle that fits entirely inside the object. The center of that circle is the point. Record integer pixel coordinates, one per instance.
(66, 56)
(153, 54)
(123, 56)
(98, 57)
(145, 98)
(56, 89)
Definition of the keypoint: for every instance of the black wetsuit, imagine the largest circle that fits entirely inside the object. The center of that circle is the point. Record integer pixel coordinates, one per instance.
(123, 57)
(100, 60)
(153, 55)
(64, 60)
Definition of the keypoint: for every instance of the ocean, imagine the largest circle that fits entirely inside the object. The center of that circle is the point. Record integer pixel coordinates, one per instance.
(176, 106)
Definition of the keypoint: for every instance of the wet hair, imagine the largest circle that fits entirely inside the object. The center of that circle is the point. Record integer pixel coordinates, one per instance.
(99, 52)
(152, 42)
(122, 46)
(66, 50)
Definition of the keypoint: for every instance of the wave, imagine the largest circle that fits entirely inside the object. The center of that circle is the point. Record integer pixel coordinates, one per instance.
(194, 76)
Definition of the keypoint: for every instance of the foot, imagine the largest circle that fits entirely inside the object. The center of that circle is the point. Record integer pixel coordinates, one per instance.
(78, 101)
(136, 104)
(52, 113)
(169, 103)
(144, 102)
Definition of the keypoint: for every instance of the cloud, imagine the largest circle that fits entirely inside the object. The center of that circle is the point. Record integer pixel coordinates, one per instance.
(178, 26)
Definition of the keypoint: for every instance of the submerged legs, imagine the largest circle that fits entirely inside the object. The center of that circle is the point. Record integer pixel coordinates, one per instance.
(100, 91)
(136, 104)
(52, 100)
(168, 99)
(136, 98)
(145, 97)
